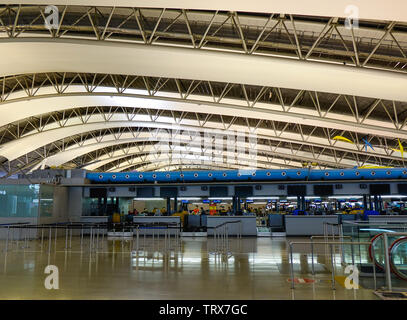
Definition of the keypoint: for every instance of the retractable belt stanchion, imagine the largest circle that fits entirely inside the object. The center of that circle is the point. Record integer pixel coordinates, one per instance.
(81, 236)
(374, 267)
(56, 235)
(103, 236)
(227, 238)
(42, 237)
(291, 265)
(8, 234)
(97, 239)
(90, 239)
(49, 240)
(18, 237)
(137, 241)
(144, 240)
(70, 237)
(387, 262)
(66, 237)
(312, 257)
(332, 266)
(122, 237)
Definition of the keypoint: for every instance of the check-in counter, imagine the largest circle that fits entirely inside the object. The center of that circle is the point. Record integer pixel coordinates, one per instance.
(248, 225)
(276, 222)
(308, 225)
(150, 229)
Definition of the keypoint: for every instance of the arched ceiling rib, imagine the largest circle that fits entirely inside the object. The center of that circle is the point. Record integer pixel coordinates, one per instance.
(297, 80)
(110, 140)
(75, 126)
(368, 9)
(18, 100)
(195, 154)
(374, 44)
(18, 109)
(198, 158)
(377, 43)
(178, 165)
(47, 55)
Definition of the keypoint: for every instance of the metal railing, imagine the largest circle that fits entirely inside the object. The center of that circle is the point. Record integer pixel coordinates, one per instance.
(18, 236)
(386, 246)
(330, 244)
(221, 236)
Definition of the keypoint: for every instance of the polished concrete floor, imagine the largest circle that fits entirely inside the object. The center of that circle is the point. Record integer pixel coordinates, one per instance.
(190, 268)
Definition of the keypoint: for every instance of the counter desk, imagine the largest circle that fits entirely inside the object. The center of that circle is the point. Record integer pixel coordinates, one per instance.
(308, 225)
(248, 224)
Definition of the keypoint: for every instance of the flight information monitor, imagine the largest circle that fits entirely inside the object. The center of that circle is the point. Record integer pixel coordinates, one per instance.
(297, 190)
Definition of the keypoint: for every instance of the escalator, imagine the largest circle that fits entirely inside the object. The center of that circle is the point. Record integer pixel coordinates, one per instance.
(397, 253)
(398, 258)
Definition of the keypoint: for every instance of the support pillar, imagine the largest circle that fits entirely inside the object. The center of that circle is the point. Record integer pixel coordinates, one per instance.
(168, 206)
(365, 202)
(376, 203)
(175, 204)
(238, 204)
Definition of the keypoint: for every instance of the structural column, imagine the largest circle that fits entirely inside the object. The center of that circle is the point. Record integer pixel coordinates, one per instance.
(376, 203)
(365, 202)
(175, 204)
(168, 206)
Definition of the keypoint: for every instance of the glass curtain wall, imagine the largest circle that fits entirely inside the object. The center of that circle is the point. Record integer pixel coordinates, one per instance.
(46, 200)
(19, 200)
(26, 201)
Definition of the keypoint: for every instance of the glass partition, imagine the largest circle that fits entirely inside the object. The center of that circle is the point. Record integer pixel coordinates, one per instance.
(46, 200)
(93, 207)
(19, 200)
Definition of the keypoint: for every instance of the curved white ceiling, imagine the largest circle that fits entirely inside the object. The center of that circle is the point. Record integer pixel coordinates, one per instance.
(15, 110)
(196, 155)
(306, 156)
(110, 140)
(157, 165)
(91, 145)
(21, 56)
(73, 126)
(368, 9)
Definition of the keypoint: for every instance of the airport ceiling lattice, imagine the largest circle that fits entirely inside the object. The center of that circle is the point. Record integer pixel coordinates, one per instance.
(107, 85)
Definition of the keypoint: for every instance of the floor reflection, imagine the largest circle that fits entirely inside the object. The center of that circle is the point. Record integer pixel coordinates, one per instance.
(190, 268)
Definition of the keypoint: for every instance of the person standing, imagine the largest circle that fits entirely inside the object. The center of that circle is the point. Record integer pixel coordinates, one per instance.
(196, 210)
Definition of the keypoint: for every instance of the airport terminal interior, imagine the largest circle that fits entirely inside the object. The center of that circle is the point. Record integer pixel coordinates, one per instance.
(205, 151)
